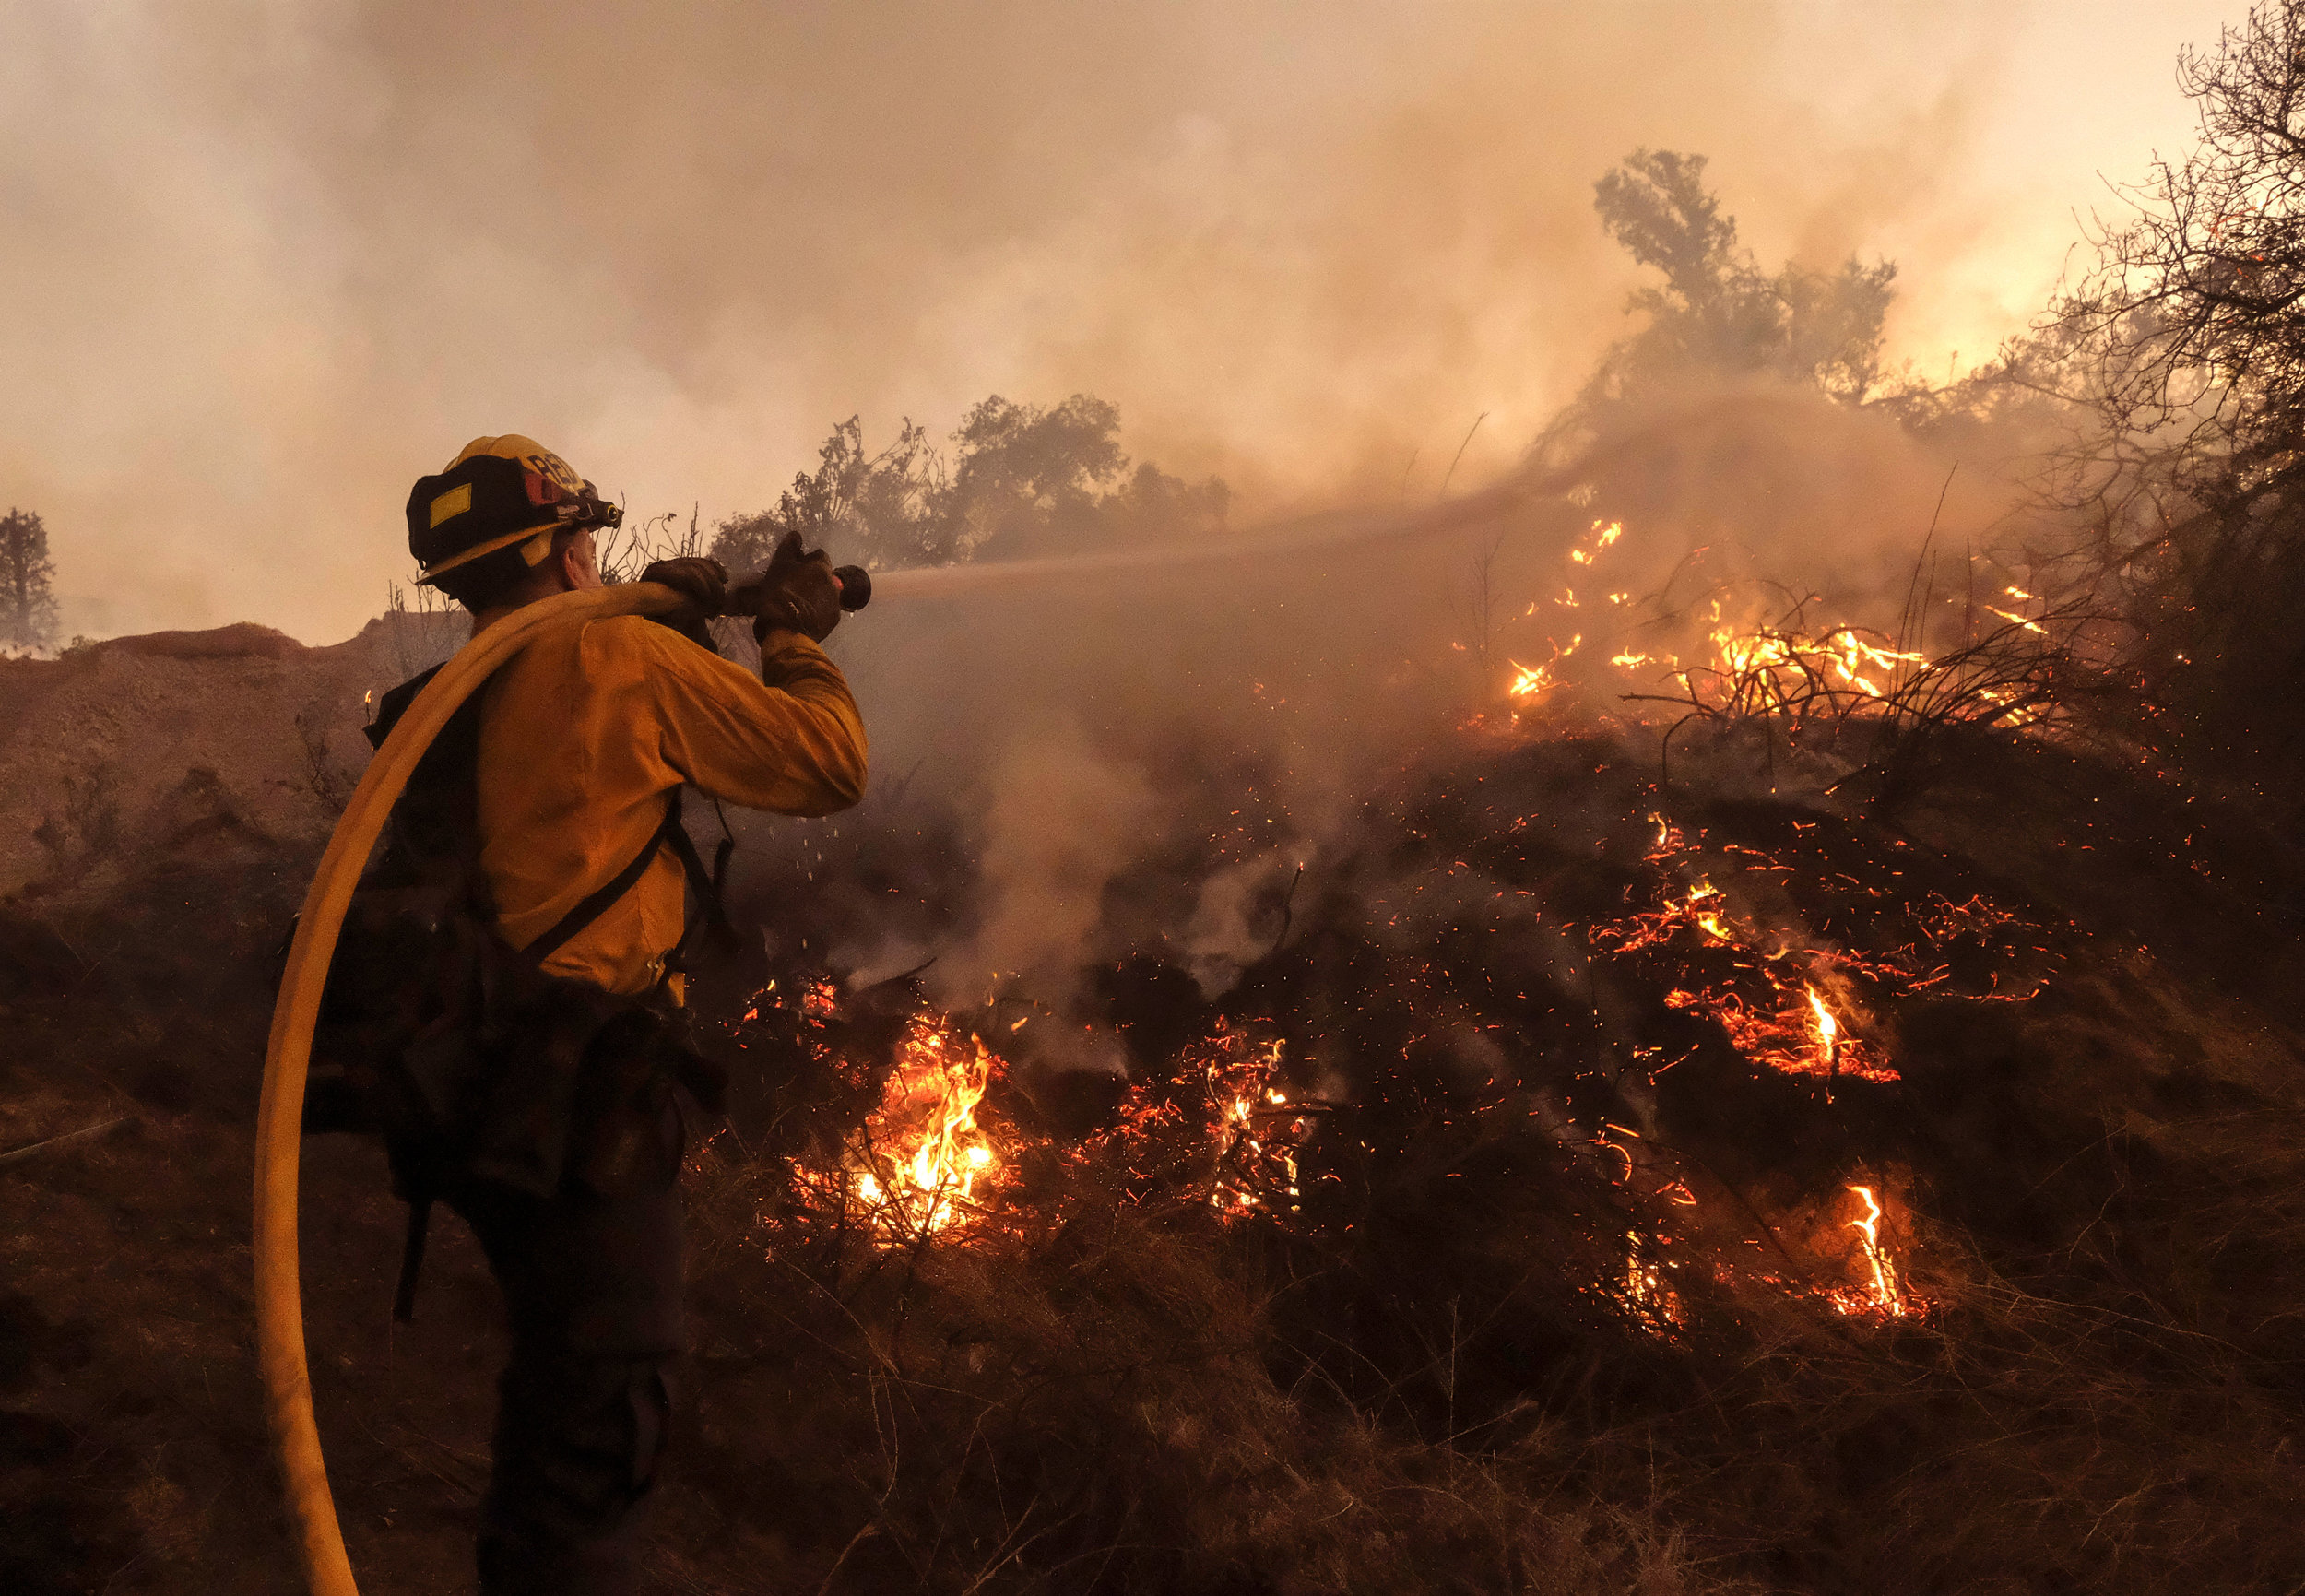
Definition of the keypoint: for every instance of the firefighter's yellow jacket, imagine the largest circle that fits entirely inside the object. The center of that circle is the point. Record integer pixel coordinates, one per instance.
(585, 735)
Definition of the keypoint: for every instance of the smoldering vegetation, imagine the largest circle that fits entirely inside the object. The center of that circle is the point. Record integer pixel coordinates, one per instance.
(1546, 1247)
(1678, 1025)
(1555, 1287)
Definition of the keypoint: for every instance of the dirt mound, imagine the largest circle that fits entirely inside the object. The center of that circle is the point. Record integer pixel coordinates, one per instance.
(128, 755)
(242, 640)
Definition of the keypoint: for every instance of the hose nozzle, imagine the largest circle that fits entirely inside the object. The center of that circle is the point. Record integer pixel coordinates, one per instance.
(855, 582)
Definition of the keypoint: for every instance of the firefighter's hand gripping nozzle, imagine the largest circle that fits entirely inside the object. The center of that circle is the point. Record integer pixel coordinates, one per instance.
(853, 579)
(800, 592)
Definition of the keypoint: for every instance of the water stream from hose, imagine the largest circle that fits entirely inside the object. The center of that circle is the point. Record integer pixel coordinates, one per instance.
(1334, 529)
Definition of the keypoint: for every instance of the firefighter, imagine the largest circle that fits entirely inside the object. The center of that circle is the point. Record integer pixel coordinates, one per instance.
(585, 740)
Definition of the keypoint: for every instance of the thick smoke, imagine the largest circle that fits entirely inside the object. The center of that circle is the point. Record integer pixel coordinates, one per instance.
(271, 263)
(1138, 751)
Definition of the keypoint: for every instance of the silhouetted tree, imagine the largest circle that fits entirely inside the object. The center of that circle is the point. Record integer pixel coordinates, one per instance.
(1023, 480)
(885, 508)
(2182, 351)
(2195, 316)
(1717, 313)
(28, 607)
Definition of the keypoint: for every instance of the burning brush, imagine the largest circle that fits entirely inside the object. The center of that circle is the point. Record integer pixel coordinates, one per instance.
(1580, 1040)
(1787, 959)
(921, 1164)
(1224, 1128)
(1737, 664)
(886, 1094)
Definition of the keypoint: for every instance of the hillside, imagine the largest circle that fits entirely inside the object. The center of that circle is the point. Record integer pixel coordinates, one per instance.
(1488, 1225)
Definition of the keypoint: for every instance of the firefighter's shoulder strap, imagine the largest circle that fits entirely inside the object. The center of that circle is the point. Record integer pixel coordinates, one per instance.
(705, 883)
(606, 896)
(458, 749)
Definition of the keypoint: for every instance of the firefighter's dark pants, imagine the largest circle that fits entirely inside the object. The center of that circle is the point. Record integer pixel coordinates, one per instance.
(592, 1285)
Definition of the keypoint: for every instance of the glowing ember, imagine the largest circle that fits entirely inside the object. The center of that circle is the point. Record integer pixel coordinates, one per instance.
(1785, 1038)
(1254, 1131)
(819, 999)
(1769, 1005)
(1669, 840)
(1645, 1291)
(1702, 907)
(1221, 1126)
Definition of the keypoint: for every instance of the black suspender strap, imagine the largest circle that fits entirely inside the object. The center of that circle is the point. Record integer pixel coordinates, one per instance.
(705, 883)
(711, 915)
(604, 897)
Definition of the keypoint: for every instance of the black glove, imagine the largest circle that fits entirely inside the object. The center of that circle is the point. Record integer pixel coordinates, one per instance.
(704, 582)
(796, 593)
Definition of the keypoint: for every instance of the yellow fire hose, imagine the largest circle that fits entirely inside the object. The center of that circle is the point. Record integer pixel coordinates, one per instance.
(280, 1117)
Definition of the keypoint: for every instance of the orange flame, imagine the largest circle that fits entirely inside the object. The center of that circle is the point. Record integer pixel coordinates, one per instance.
(1702, 899)
(923, 1154)
(1646, 1291)
(1885, 1293)
(2019, 619)
(1843, 652)
(1253, 1133)
(1828, 1030)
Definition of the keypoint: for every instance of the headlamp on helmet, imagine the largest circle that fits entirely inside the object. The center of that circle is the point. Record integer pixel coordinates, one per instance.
(500, 492)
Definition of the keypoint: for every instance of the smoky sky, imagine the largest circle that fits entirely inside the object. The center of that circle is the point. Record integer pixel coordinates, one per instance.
(267, 263)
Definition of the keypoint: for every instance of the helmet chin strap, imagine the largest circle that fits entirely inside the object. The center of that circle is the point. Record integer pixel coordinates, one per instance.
(280, 1112)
